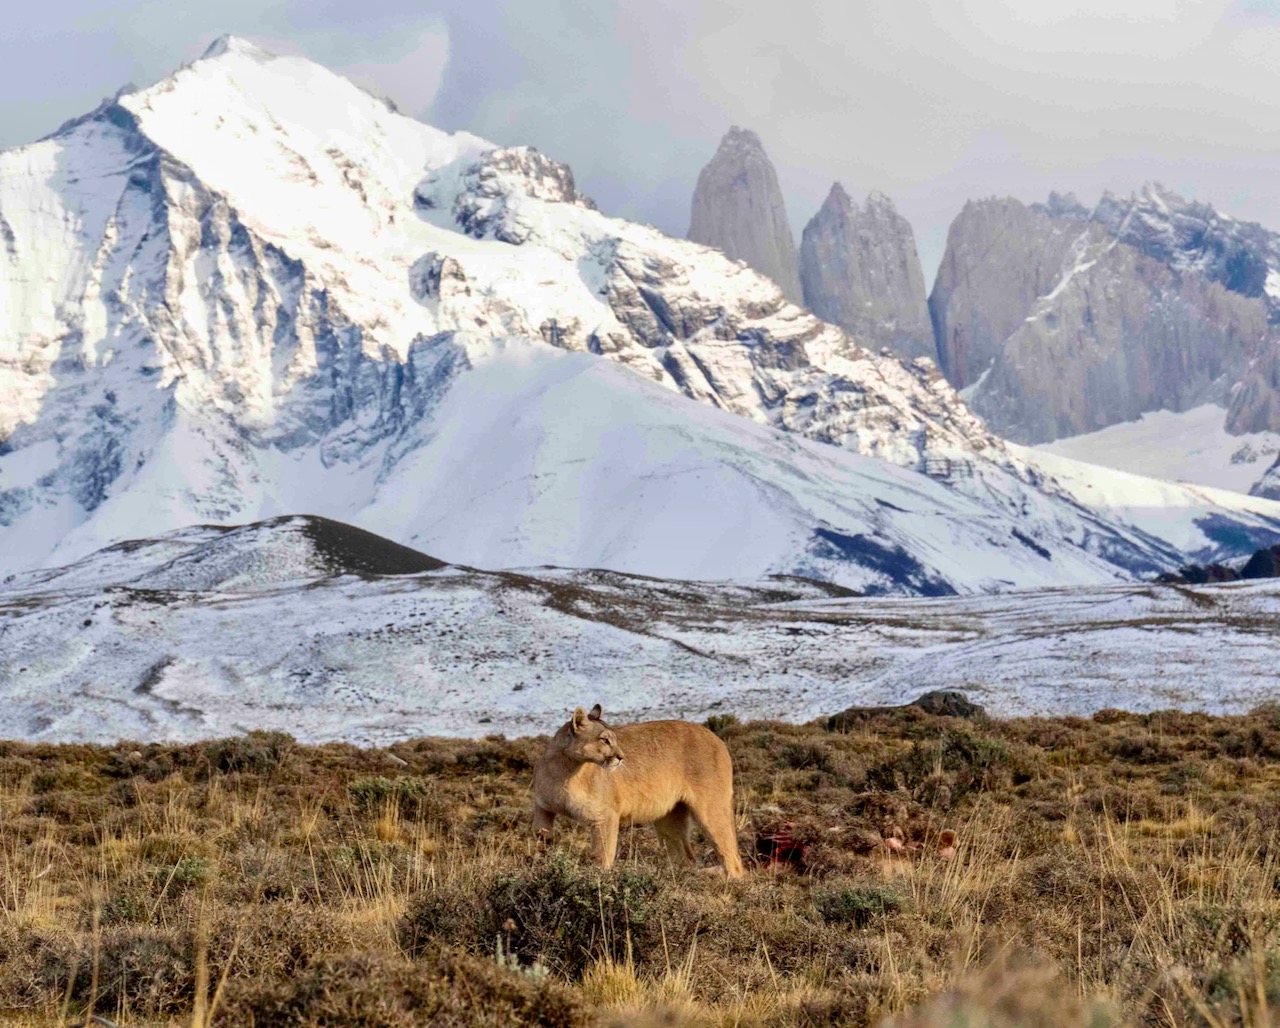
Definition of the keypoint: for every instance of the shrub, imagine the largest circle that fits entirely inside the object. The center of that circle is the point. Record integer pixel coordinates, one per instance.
(493, 760)
(443, 989)
(962, 761)
(256, 753)
(435, 917)
(188, 871)
(415, 798)
(564, 914)
(121, 907)
(145, 969)
(856, 906)
(807, 756)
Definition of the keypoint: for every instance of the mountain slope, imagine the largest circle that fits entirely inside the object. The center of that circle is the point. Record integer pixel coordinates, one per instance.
(530, 455)
(253, 290)
(1192, 446)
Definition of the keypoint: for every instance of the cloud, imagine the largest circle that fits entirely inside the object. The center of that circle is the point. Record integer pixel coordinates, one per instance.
(933, 101)
(413, 80)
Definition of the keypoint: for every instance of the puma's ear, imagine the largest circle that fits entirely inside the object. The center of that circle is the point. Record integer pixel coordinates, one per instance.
(596, 713)
(579, 721)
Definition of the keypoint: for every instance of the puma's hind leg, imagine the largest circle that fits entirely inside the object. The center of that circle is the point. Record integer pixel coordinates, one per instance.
(675, 830)
(716, 818)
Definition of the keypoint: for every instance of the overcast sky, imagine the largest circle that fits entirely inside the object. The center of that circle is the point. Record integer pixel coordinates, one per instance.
(931, 101)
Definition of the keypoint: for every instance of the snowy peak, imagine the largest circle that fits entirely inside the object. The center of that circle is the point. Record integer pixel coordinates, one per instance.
(1196, 237)
(238, 45)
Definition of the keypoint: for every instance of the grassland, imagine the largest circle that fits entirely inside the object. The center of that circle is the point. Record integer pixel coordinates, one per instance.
(1114, 870)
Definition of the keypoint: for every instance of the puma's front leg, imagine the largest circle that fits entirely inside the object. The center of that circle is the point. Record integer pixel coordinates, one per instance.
(542, 822)
(604, 839)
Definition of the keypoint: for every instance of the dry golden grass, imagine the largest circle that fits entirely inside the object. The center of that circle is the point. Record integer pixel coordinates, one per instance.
(1117, 870)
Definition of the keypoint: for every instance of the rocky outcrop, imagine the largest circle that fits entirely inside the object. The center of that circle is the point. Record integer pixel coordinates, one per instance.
(738, 208)
(936, 702)
(1268, 486)
(481, 208)
(1061, 321)
(1194, 237)
(1255, 403)
(859, 269)
(1264, 563)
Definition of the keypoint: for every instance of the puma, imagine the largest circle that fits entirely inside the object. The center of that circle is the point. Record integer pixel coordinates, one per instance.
(672, 774)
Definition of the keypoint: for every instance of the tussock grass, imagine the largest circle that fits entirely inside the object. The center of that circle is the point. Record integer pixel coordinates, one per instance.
(1113, 870)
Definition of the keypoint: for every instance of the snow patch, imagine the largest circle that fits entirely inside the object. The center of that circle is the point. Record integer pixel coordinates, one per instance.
(1189, 446)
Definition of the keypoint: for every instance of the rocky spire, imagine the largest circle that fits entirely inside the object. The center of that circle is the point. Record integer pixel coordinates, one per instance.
(860, 270)
(738, 207)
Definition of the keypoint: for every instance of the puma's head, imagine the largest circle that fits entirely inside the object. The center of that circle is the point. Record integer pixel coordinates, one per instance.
(587, 739)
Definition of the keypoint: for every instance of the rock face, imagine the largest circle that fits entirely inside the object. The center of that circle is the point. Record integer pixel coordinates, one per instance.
(1255, 403)
(1001, 255)
(1126, 334)
(1061, 321)
(738, 208)
(860, 270)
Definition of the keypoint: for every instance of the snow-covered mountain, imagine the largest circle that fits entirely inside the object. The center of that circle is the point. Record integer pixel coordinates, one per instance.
(254, 290)
(326, 632)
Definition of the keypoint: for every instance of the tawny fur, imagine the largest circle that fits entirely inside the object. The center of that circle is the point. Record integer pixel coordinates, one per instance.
(672, 774)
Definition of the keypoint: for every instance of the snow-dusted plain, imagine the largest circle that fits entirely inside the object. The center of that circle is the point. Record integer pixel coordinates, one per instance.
(209, 633)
